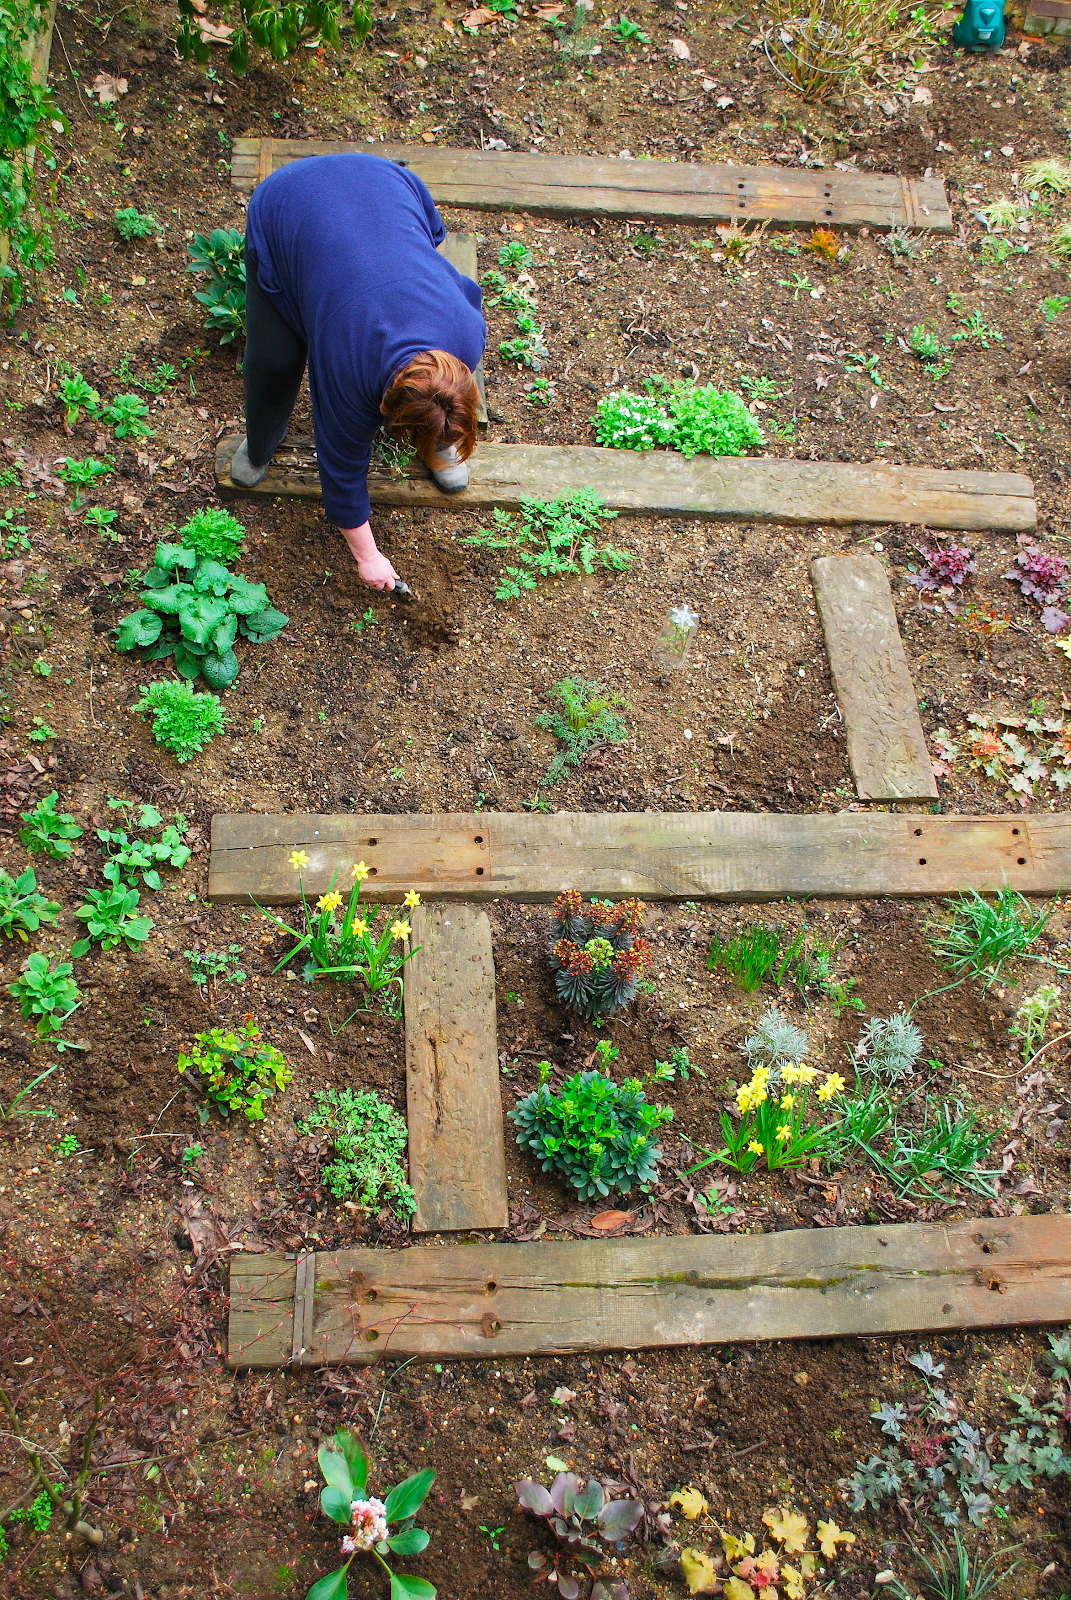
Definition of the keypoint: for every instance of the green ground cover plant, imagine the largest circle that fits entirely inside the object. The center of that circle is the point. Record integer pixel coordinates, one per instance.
(28, 118)
(206, 966)
(182, 721)
(130, 223)
(194, 610)
(585, 715)
(22, 910)
(110, 919)
(599, 1136)
(127, 860)
(46, 993)
(220, 257)
(597, 953)
(690, 419)
(368, 1140)
(550, 539)
(377, 1528)
(240, 1068)
(344, 943)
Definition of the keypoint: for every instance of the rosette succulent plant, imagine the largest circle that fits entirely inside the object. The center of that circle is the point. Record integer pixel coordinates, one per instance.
(584, 1521)
(597, 954)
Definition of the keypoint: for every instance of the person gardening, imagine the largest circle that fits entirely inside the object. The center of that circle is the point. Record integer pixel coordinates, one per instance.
(342, 273)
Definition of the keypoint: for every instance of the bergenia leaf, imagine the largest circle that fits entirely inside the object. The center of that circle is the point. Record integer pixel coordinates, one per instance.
(409, 1495)
(335, 1468)
(352, 1448)
(403, 1587)
(335, 1503)
(618, 1518)
(563, 1492)
(533, 1497)
(590, 1501)
(409, 1543)
(333, 1587)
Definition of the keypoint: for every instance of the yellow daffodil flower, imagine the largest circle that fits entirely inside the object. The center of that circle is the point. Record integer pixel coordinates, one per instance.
(329, 902)
(412, 899)
(784, 1132)
(832, 1086)
(787, 1102)
(361, 872)
(360, 925)
(756, 1148)
(806, 1074)
(399, 930)
(790, 1073)
(299, 859)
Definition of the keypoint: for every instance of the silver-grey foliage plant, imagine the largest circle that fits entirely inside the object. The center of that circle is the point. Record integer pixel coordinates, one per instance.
(889, 1047)
(775, 1043)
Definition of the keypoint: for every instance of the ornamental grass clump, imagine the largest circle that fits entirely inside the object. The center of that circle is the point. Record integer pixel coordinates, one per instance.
(343, 941)
(597, 953)
(597, 1135)
(240, 1068)
(584, 1522)
(377, 1528)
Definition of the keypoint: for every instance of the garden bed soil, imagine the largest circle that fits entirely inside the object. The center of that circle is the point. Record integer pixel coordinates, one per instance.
(116, 1254)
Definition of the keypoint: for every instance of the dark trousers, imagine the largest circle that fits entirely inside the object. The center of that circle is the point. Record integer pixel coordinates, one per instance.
(272, 370)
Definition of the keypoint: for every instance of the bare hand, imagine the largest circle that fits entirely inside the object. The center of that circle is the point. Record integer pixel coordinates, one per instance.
(377, 572)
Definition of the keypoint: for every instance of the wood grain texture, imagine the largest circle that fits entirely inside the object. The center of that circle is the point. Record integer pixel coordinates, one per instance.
(490, 180)
(460, 250)
(706, 855)
(872, 681)
(724, 488)
(457, 1154)
(504, 1300)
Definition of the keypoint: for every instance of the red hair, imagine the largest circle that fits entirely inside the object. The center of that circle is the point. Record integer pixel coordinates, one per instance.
(433, 400)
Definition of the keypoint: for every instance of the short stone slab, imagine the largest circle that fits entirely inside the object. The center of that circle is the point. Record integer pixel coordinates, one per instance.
(457, 1155)
(664, 855)
(594, 186)
(662, 482)
(501, 1300)
(886, 746)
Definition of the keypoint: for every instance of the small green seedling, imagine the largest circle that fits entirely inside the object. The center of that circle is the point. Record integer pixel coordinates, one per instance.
(126, 417)
(22, 909)
(46, 992)
(514, 256)
(133, 224)
(78, 396)
(1053, 306)
(40, 732)
(208, 965)
(629, 33)
(240, 1068)
(110, 920)
(66, 1146)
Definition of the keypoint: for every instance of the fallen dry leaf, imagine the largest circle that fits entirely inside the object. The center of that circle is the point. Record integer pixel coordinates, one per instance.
(691, 1502)
(923, 96)
(548, 13)
(214, 32)
(469, 1502)
(606, 1220)
(478, 16)
(307, 1042)
(108, 88)
(678, 48)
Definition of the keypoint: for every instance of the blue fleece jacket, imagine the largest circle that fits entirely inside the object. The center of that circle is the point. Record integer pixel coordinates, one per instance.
(345, 246)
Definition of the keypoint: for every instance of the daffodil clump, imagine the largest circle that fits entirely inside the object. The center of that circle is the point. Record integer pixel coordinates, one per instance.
(775, 1121)
(741, 1572)
(344, 942)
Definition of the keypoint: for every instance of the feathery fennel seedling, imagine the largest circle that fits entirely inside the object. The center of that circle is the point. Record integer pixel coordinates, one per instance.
(368, 1140)
(550, 539)
(585, 716)
(182, 721)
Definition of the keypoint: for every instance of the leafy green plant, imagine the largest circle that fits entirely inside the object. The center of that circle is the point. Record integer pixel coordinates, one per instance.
(240, 1068)
(83, 474)
(975, 327)
(528, 348)
(40, 732)
(995, 250)
(78, 396)
(161, 377)
(515, 256)
(66, 1146)
(221, 258)
(950, 1145)
(1032, 1018)
(982, 935)
(125, 415)
(109, 918)
(597, 953)
(102, 518)
(955, 1573)
(749, 957)
(130, 223)
(49, 830)
(374, 1527)
(368, 1140)
(13, 1108)
(500, 292)
(182, 721)
(584, 1523)
(888, 1048)
(690, 419)
(128, 859)
(194, 610)
(585, 715)
(22, 909)
(550, 539)
(597, 1135)
(925, 343)
(208, 965)
(629, 33)
(1053, 306)
(350, 946)
(213, 534)
(46, 991)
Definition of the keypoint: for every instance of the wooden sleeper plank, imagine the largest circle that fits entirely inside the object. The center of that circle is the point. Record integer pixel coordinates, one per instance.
(705, 855)
(460, 250)
(663, 482)
(457, 1156)
(505, 1300)
(886, 746)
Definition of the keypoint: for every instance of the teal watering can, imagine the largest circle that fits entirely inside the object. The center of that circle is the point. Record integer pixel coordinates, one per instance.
(981, 27)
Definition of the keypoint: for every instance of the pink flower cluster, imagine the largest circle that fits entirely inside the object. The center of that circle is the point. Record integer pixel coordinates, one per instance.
(368, 1525)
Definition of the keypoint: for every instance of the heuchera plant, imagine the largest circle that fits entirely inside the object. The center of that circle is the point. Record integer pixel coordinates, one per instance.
(583, 1521)
(597, 953)
(945, 569)
(1043, 578)
(373, 1527)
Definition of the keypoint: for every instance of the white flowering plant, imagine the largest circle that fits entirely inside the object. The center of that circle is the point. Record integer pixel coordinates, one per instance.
(343, 941)
(375, 1528)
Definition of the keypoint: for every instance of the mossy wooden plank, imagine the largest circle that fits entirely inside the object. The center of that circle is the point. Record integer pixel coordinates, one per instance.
(705, 855)
(490, 180)
(260, 1329)
(457, 1155)
(724, 488)
(503, 1300)
(886, 746)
